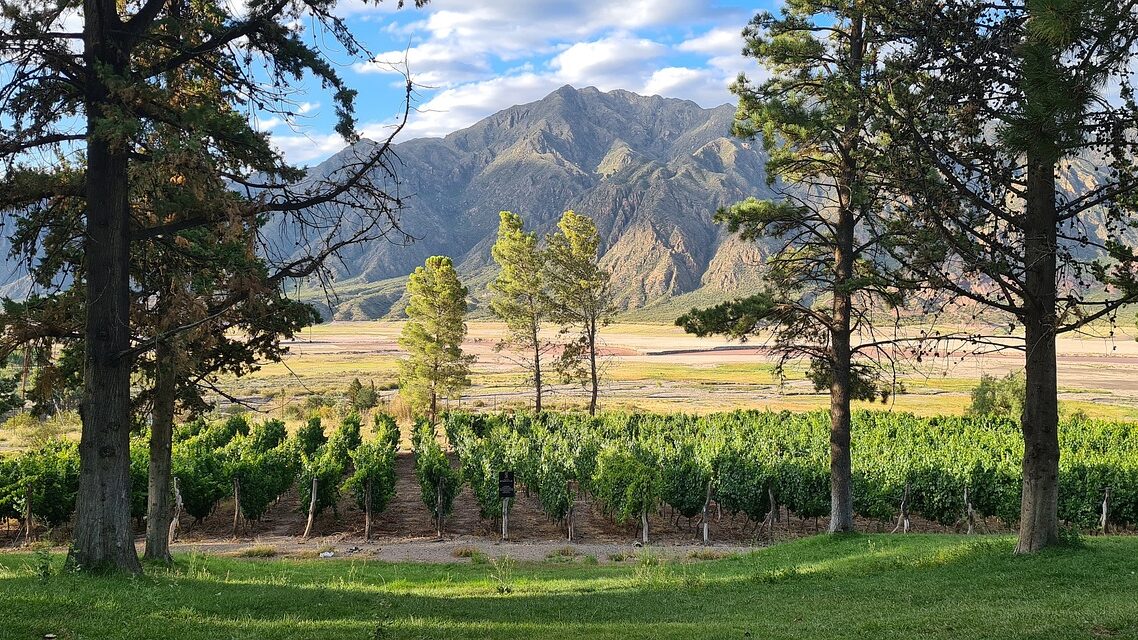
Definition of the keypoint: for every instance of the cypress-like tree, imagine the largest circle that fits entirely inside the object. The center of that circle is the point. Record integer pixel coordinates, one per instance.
(1019, 172)
(580, 296)
(520, 298)
(829, 274)
(435, 365)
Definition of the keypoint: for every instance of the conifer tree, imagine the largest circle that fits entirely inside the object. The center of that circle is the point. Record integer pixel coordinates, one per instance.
(580, 297)
(1018, 167)
(829, 275)
(520, 298)
(435, 366)
(91, 99)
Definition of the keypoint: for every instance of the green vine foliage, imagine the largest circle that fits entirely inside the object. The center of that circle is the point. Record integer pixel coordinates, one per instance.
(311, 436)
(628, 461)
(373, 465)
(327, 466)
(386, 429)
(438, 482)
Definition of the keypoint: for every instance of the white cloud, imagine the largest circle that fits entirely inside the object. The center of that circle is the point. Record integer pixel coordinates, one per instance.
(471, 58)
(608, 63)
(707, 87)
(300, 149)
(720, 41)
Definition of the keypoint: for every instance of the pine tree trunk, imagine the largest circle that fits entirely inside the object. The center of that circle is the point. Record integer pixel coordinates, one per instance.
(841, 473)
(841, 468)
(1039, 507)
(161, 435)
(593, 366)
(104, 538)
(537, 371)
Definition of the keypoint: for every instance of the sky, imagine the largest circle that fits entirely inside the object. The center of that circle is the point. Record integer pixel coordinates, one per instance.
(471, 58)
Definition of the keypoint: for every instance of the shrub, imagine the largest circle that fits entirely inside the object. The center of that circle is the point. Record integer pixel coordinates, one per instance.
(999, 396)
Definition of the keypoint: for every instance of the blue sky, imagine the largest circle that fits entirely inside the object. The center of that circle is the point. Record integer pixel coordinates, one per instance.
(472, 58)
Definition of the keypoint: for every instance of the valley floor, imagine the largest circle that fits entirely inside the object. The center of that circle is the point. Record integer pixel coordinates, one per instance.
(862, 586)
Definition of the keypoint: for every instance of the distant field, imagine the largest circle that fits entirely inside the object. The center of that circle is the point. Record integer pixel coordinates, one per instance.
(658, 367)
(875, 586)
(655, 367)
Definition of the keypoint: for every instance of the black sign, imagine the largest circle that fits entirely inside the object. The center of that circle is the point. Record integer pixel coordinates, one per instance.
(505, 484)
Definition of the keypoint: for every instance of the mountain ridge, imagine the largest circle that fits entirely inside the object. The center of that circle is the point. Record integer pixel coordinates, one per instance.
(651, 171)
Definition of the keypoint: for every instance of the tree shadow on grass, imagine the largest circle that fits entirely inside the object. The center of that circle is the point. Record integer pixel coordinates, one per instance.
(861, 587)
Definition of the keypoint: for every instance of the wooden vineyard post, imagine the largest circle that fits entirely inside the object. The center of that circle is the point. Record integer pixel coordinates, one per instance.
(311, 508)
(367, 512)
(706, 502)
(505, 492)
(1103, 520)
(969, 513)
(903, 518)
(176, 517)
(505, 518)
(236, 504)
(439, 508)
(29, 525)
(571, 489)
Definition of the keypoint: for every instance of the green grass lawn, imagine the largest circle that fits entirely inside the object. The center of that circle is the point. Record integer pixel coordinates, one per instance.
(880, 586)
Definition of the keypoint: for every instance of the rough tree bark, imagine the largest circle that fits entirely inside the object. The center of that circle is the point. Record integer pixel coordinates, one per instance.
(841, 472)
(103, 537)
(1039, 506)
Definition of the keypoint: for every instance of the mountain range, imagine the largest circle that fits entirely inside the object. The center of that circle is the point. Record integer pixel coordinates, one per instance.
(650, 171)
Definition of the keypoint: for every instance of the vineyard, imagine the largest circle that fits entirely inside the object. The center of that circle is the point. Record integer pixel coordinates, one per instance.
(957, 472)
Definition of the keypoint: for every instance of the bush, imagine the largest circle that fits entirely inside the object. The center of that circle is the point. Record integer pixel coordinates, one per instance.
(202, 477)
(327, 468)
(360, 397)
(999, 396)
(374, 464)
(50, 476)
(345, 439)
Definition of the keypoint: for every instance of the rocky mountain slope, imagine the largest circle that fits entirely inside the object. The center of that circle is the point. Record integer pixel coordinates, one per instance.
(651, 172)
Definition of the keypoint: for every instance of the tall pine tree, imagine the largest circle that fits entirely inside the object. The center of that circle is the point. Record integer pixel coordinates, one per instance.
(435, 366)
(830, 275)
(580, 297)
(94, 96)
(520, 298)
(1019, 171)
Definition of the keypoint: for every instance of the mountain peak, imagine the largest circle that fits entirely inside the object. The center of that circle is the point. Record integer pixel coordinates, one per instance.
(651, 171)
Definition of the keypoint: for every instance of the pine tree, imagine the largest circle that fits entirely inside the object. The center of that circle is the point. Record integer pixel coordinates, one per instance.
(829, 276)
(580, 296)
(999, 106)
(197, 69)
(520, 299)
(435, 366)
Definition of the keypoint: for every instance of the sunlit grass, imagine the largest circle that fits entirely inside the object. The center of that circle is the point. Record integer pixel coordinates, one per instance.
(911, 586)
